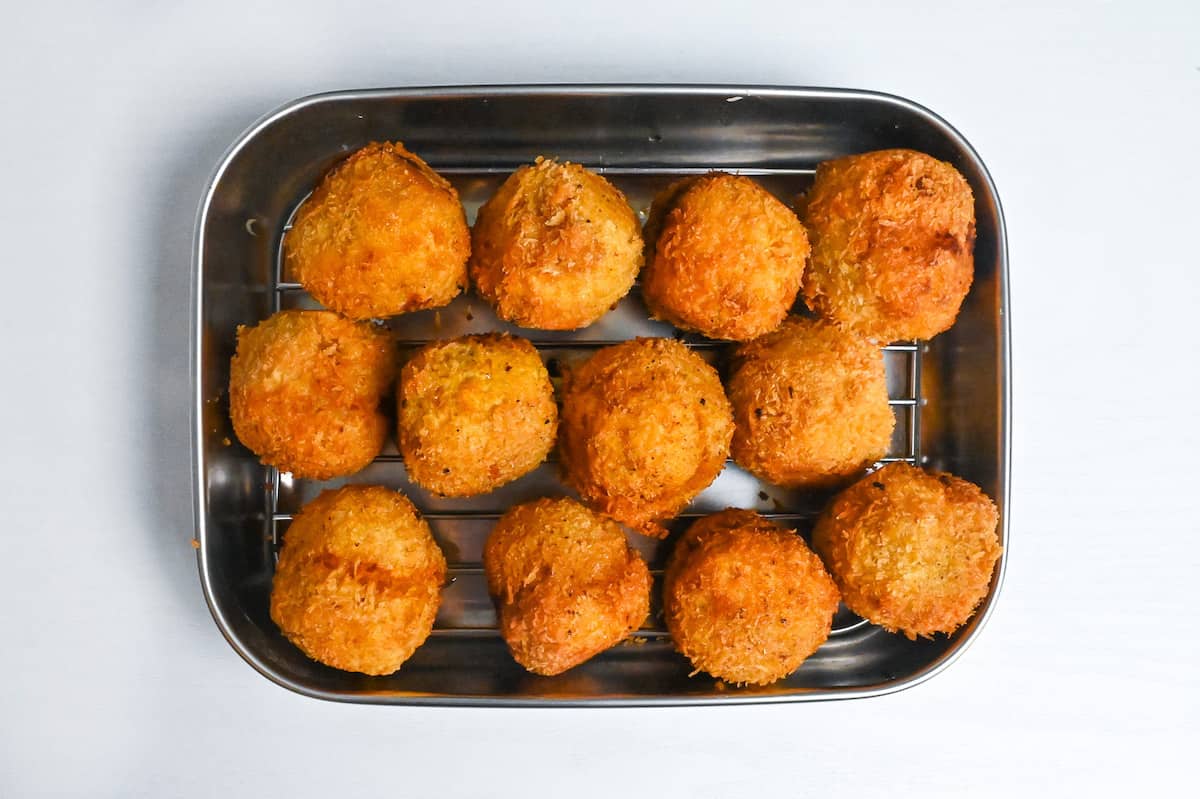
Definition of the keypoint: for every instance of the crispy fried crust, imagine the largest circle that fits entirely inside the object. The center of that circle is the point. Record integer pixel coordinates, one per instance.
(566, 583)
(359, 580)
(745, 599)
(646, 427)
(305, 389)
(810, 405)
(912, 551)
(726, 258)
(382, 234)
(893, 233)
(475, 413)
(555, 247)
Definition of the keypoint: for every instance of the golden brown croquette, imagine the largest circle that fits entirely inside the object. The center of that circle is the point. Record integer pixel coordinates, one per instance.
(746, 600)
(810, 405)
(382, 234)
(726, 258)
(646, 427)
(893, 234)
(566, 583)
(305, 389)
(555, 247)
(475, 413)
(359, 580)
(911, 550)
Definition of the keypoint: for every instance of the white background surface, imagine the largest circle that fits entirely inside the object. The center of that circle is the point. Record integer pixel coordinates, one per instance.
(115, 681)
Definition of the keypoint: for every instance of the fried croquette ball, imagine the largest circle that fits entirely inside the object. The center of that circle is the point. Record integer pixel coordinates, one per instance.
(305, 389)
(912, 551)
(646, 427)
(893, 233)
(566, 583)
(810, 405)
(359, 580)
(745, 599)
(475, 413)
(382, 234)
(726, 259)
(555, 247)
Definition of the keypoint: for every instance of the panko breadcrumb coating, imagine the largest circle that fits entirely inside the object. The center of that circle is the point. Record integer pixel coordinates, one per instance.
(555, 247)
(359, 580)
(911, 550)
(382, 234)
(726, 258)
(566, 583)
(893, 233)
(305, 389)
(646, 427)
(475, 413)
(810, 405)
(746, 600)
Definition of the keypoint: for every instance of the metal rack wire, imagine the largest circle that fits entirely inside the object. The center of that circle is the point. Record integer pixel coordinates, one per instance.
(908, 403)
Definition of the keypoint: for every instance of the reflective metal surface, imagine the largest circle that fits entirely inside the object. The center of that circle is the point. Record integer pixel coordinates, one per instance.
(950, 395)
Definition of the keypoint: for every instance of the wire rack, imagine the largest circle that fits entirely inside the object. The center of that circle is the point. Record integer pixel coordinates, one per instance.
(460, 527)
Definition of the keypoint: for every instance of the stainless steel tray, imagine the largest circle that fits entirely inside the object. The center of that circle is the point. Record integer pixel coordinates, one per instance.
(950, 395)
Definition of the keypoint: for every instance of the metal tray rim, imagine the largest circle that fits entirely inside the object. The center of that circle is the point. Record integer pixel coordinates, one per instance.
(452, 700)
